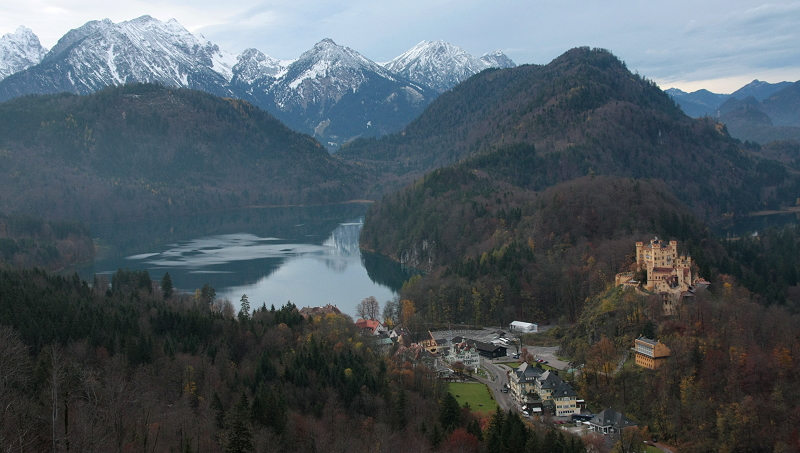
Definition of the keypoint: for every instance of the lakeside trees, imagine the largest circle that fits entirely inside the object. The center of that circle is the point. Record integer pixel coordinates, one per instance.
(27, 241)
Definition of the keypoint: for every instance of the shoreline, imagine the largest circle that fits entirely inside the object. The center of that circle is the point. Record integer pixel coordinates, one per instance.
(793, 209)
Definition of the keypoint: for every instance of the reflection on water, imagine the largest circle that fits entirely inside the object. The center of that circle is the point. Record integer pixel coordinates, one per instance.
(308, 256)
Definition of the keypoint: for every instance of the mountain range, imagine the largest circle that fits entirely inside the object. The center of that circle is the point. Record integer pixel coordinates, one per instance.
(759, 111)
(330, 91)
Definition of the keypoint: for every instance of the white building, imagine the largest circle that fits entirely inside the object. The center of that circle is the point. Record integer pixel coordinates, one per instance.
(466, 354)
(523, 327)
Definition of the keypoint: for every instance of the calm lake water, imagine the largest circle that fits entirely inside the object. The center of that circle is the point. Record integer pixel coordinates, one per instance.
(306, 255)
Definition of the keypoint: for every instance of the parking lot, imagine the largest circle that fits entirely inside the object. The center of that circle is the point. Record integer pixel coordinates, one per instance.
(483, 335)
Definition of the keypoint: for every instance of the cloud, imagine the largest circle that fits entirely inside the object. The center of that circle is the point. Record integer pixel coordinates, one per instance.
(742, 44)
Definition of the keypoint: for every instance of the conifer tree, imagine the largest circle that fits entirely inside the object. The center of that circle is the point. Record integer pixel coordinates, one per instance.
(166, 285)
(240, 438)
(244, 311)
(219, 411)
(449, 413)
(494, 432)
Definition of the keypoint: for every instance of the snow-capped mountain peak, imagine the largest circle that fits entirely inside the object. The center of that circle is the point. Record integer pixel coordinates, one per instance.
(498, 59)
(19, 50)
(441, 65)
(327, 58)
(342, 68)
(253, 66)
(102, 53)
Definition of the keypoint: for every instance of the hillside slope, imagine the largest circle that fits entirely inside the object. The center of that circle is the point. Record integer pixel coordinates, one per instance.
(143, 151)
(584, 113)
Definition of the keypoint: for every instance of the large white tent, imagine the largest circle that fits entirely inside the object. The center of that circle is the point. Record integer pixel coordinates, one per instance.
(523, 327)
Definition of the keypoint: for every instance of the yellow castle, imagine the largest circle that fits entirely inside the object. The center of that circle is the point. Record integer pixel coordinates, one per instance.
(668, 274)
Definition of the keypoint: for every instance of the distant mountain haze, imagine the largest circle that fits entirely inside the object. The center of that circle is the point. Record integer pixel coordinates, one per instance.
(759, 111)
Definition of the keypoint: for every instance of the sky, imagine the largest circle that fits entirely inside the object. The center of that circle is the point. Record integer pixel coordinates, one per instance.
(687, 44)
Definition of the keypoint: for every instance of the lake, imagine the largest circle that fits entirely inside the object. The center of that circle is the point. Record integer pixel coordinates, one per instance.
(306, 255)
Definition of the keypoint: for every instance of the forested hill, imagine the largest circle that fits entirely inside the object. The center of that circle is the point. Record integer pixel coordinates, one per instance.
(583, 113)
(561, 169)
(143, 151)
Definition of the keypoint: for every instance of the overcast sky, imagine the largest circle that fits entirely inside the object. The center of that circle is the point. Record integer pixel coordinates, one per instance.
(688, 44)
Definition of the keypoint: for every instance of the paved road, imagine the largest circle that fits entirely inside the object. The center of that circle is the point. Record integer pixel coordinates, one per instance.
(495, 383)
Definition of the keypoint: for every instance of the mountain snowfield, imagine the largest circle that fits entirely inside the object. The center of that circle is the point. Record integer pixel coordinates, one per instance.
(330, 91)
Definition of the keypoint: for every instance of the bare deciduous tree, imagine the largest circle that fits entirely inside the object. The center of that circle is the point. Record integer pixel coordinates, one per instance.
(15, 432)
(368, 308)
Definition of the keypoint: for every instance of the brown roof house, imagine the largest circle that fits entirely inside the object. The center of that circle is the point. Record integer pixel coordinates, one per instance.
(372, 326)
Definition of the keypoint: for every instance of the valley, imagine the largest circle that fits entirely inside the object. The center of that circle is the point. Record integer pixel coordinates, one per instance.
(497, 192)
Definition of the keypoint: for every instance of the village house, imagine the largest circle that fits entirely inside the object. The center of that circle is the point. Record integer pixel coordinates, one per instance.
(650, 353)
(523, 381)
(320, 311)
(372, 326)
(546, 385)
(431, 344)
(417, 355)
(610, 421)
(465, 353)
(534, 385)
(566, 400)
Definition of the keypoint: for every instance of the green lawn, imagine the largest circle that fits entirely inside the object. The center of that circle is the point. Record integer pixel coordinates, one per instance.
(477, 395)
